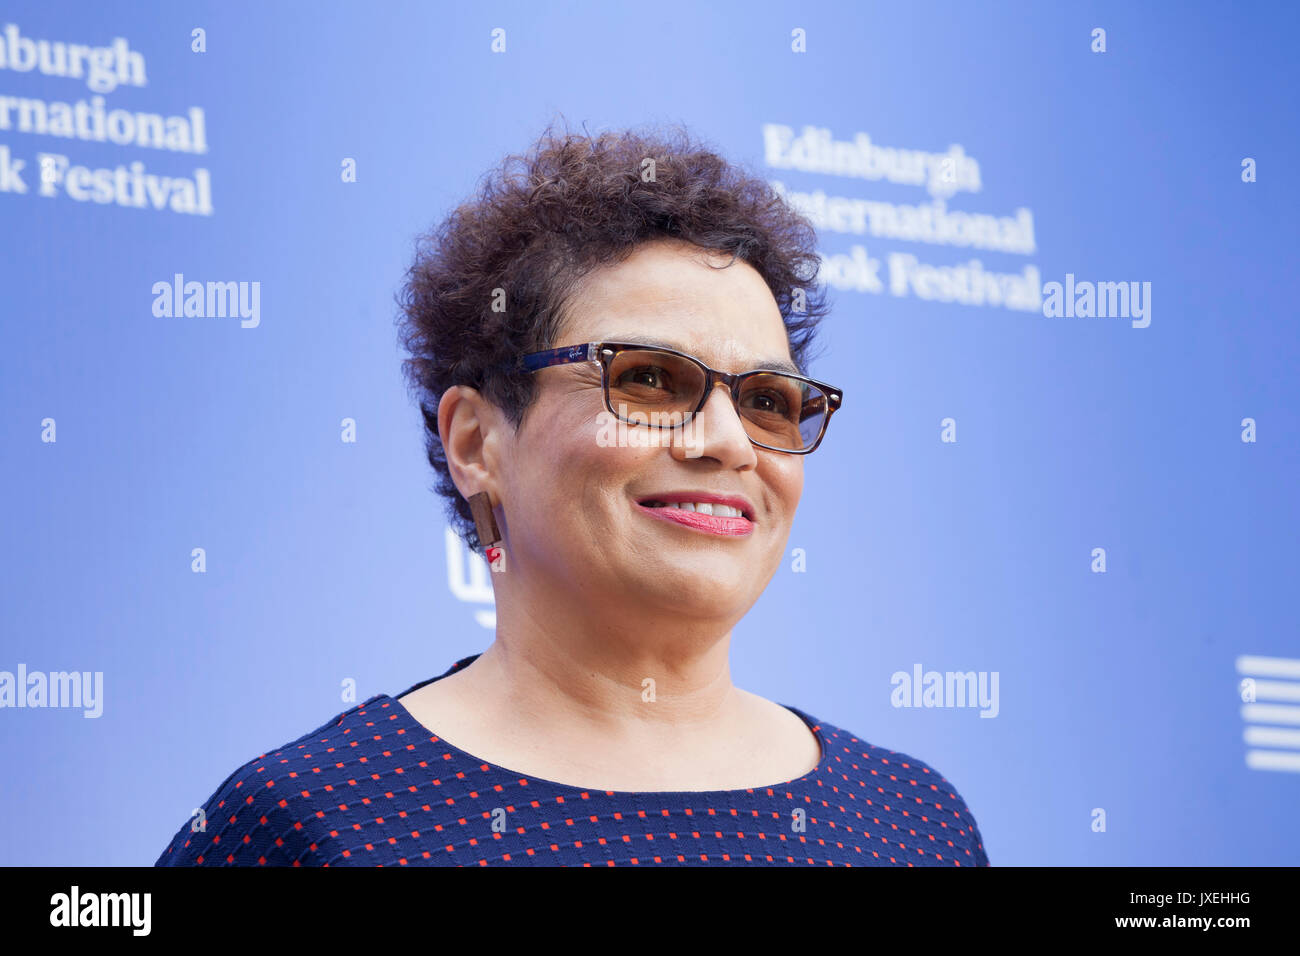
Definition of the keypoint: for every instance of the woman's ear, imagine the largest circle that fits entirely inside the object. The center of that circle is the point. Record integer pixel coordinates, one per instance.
(470, 426)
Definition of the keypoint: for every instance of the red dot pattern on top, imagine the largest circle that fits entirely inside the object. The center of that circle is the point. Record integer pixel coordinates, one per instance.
(374, 788)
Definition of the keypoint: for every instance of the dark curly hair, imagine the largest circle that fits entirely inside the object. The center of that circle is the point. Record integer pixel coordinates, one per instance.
(541, 222)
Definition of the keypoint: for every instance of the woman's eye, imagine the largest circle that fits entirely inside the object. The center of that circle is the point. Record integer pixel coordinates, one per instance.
(648, 376)
(768, 402)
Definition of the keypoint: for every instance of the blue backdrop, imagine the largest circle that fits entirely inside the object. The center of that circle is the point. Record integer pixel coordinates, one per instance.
(1098, 513)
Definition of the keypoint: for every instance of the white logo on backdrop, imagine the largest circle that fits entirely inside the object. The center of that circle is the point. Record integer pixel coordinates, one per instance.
(1277, 681)
(467, 577)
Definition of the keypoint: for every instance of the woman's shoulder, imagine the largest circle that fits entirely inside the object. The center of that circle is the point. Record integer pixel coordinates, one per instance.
(900, 785)
(261, 814)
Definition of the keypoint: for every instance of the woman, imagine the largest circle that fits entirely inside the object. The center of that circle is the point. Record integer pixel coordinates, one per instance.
(569, 332)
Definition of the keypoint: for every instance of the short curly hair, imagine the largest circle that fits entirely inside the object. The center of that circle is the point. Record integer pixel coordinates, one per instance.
(541, 222)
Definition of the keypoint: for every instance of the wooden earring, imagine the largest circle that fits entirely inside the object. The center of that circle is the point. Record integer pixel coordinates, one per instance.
(485, 522)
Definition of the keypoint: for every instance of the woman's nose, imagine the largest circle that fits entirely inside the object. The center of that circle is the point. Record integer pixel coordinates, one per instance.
(718, 431)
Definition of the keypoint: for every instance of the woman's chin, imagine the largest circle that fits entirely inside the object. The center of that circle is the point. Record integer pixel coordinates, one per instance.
(703, 588)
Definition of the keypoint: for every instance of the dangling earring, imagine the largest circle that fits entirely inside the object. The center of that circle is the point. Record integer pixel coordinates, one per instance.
(485, 522)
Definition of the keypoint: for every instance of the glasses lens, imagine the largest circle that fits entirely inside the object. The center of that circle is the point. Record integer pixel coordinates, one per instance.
(656, 388)
(782, 411)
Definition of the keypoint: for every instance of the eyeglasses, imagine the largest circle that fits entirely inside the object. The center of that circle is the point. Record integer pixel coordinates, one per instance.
(780, 411)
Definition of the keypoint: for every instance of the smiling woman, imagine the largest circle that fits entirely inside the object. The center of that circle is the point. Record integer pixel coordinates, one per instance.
(602, 726)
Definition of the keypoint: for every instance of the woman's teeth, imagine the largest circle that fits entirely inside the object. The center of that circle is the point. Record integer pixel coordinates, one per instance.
(703, 507)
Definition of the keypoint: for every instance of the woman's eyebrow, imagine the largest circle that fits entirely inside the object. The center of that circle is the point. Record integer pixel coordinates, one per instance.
(776, 364)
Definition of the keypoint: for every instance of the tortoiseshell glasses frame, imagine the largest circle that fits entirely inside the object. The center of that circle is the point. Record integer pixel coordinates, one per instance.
(819, 398)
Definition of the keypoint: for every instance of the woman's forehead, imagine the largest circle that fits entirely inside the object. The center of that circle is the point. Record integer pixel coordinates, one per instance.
(717, 343)
(666, 298)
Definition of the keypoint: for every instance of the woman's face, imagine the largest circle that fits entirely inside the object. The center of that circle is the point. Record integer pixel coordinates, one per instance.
(570, 501)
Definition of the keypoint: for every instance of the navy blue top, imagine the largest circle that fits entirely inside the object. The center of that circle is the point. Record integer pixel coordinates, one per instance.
(373, 787)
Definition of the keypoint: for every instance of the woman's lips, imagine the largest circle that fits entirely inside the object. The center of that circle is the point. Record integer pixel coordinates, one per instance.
(712, 524)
